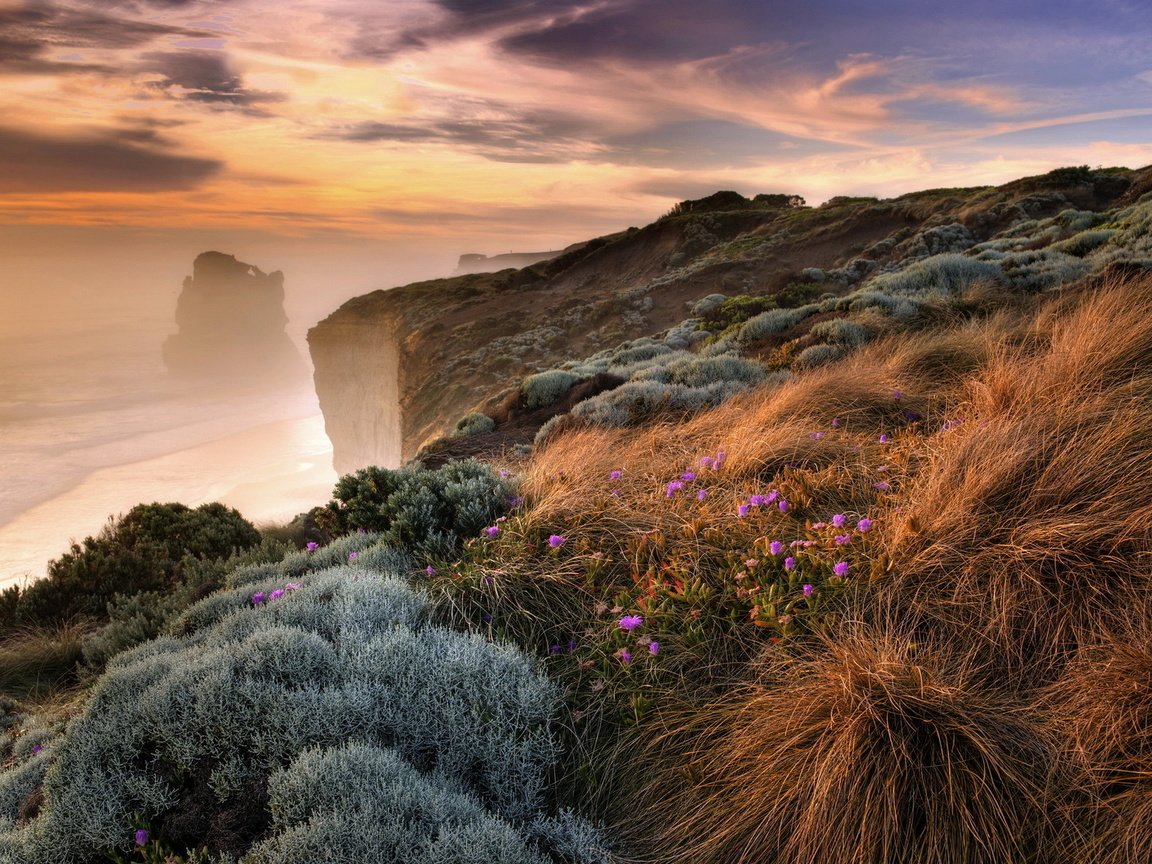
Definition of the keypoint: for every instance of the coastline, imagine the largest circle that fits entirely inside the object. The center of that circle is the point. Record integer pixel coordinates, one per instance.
(268, 472)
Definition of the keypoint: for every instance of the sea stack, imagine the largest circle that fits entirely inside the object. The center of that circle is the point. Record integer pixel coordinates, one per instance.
(231, 323)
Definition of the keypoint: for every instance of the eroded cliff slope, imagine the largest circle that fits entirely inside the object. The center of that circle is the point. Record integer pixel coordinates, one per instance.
(395, 368)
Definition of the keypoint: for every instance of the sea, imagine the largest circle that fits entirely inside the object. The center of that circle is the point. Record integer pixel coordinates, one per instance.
(91, 424)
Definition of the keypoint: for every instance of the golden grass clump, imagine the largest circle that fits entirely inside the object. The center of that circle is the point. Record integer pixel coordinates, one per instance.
(1101, 708)
(1028, 517)
(869, 750)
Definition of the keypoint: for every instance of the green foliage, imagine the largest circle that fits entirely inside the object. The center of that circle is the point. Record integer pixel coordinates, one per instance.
(545, 388)
(417, 509)
(947, 274)
(818, 355)
(842, 332)
(473, 424)
(257, 702)
(146, 550)
(735, 311)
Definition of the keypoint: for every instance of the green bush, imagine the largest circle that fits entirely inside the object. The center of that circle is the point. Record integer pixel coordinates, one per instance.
(473, 424)
(949, 273)
(818, 355)
(417, 509)
(842, 332)
(545, 388)
(245, 721)
(145, 550)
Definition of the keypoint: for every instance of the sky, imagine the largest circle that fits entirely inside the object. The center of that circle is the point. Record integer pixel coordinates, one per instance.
(523, 124)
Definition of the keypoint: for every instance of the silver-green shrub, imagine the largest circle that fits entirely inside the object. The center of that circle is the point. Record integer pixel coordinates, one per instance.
(842, 332)
(474, 423)
(266, 691)
(818, 355)
(944, 274)
(545, 388)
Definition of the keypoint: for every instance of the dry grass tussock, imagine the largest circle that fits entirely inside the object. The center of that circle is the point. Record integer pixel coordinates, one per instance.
(1029, 520)
(985, 695)
(1101, 708)
(866, 748)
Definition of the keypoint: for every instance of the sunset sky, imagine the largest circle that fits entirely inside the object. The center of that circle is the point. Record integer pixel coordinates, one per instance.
(528, 123)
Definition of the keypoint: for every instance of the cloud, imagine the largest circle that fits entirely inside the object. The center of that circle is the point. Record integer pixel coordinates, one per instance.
(31, 163)
(202, 76)
(495, 131)
(31, 32)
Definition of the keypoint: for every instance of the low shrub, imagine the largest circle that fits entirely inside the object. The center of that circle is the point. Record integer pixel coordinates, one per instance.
(474, 423)
(231, 735)
(418, 509)
(546, 388)
(146, 550)
(949, 273)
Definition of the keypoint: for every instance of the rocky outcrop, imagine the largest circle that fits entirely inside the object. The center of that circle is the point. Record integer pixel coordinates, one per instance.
(473, 263)
(231, 323)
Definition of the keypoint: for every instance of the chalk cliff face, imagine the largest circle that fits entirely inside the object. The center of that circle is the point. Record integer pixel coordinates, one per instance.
(231, 322)
(395, 368)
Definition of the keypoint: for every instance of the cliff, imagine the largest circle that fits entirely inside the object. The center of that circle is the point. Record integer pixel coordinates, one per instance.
(231, 323)
(395, 368)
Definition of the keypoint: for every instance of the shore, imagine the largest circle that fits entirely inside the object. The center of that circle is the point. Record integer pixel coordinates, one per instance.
(269, 473)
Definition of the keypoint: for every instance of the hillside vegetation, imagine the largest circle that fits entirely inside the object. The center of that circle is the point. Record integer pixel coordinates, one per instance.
(823, 576)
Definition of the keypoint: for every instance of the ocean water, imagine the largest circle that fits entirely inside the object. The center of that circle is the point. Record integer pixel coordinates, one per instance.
(91, 424)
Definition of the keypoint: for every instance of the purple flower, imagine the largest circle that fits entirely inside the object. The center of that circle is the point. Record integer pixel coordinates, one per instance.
(835, 422)
(808, 589)
(505, 473)
(816, 436)
(141, 837)
(492, 530)
(783, 505)
(556, 541)
(258, 597)
(37, 748)
(771, 496)
(277, 594)
(706, 461)
(571, 645)
(912, 416)
(883, 486)
(838, 520)
(291, 586)
(796, 543)
(742, 510)
(789, 563)
(430, 570)
(840, 568)
(653, 647)
(615, 475)
(896, 394)
(312, 546)
(843, 539)
(775, 547)
(672, 488)
(688, 475)
(864, 525)
(352, 556)
(631, 622)
(615, 491)
(486, 618)
(554, 649)
(487, 580)
(625, 655)
(516, 501)
(883, 439)
(756, 500)
(702, 494)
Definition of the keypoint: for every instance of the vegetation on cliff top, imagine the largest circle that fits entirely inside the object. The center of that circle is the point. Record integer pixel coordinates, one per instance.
(890, 606)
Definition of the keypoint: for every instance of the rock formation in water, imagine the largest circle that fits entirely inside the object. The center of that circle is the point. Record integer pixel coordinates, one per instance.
(396, 368)
(231, 323)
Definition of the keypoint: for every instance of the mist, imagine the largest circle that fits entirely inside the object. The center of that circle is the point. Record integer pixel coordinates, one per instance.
(91, 420)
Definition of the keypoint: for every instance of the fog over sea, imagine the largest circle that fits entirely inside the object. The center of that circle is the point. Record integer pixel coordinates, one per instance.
(91, 424)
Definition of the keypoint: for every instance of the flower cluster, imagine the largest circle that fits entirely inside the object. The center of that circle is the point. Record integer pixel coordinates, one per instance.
(259, 598)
